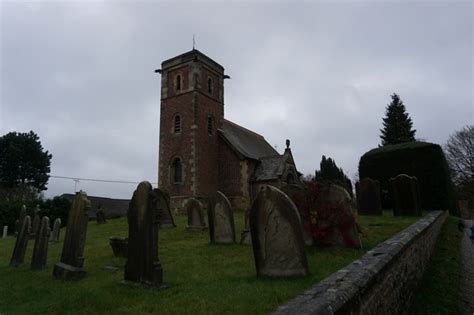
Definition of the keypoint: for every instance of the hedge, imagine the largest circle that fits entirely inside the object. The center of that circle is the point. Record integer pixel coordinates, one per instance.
(425, 161)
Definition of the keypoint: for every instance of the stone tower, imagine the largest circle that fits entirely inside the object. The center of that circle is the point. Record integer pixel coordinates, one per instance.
(192, 110)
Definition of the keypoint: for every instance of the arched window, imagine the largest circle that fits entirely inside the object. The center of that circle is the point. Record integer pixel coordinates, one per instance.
(210, 124)
(209, 85)
(176, 171)
(290, 179)
(177, 124)
(178, 82)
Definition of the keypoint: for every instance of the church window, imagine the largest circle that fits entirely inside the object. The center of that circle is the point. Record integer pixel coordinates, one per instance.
(209, 85)
(176, 171)
(178, 82)
(210, 124)
(177, 124)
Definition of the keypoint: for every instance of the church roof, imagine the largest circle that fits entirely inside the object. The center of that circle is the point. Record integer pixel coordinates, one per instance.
(270, 167)
(113, 208)
(246, 142)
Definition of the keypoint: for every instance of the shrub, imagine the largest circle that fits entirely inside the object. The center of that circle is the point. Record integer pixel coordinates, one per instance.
(425, 161)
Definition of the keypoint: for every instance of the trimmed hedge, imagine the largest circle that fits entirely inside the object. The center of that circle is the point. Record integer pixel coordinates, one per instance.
(425, 161)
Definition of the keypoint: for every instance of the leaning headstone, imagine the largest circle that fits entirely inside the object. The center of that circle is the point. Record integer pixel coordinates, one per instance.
(56, 230)
(245, 235)
(164, 213)
(277, 237)
(300, 198)
(368, 197)
(336, 224)
(71, 266)
(36, 223)
(221, 220)
(40, 251)
(21, 217)
(195, 215)
(405, 190)
(143, 267)
(5, 231)
(21, 243)
(119, 246)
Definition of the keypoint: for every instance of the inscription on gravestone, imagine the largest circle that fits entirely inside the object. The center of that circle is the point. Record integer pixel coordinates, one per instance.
(18, 255)
(71, 266)
(221, 220)
(277, 237)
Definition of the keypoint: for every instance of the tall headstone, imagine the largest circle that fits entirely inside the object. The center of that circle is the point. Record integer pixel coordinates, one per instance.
(195, 215)
(143, 266)
(21, 243)
(277, 236)
(71, 266)
(40, 251)
(300, 198)
(369, 201)
(21, 217)
(245, 235)
(36, 223)
(336, 224)
(164, 213)
(221, 220)
(5, 231)
(406, 199)
(56, 230)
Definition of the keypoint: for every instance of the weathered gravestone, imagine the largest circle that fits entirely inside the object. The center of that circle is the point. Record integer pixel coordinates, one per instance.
(21, 243)
(246, 236)
(195, 215)
(277, 237)
(221, 220)
(406, 198)
(336, 224)
(164, 213)
(119, 246)
(368, 197)
(36, 223)
(21, 217)
(300, 198)
(56, 230)
(100, 216)
(5, 231)
(71, 266)
(143, 266)
(40, 251)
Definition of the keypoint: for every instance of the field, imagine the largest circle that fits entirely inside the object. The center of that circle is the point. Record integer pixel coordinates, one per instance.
(202, 278)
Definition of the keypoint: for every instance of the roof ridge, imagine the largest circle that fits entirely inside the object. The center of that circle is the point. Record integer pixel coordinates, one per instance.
(243, 128)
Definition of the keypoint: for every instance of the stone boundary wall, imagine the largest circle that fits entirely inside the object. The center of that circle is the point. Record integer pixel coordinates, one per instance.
(383, 281)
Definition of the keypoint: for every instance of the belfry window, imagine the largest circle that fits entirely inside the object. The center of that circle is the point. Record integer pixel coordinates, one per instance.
(210, 124)
(177, 124)
(209, 85)
(178, 82)
(176, 171)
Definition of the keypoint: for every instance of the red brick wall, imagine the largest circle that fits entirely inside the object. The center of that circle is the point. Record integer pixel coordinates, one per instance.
(229, 171)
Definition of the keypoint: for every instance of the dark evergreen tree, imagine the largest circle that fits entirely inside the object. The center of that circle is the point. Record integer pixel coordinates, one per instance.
(397, 124)
(329, 172)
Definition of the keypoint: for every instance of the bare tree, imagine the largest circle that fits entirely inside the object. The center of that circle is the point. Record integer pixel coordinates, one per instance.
(460, 155)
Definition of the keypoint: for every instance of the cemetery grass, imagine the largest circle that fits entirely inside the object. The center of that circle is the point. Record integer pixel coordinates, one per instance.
(202, 278)
(439, 289)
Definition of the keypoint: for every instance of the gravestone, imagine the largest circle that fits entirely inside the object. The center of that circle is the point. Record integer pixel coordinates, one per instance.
(5, 231)
(277, 237)
(71, 266)
(195, 215)
(21, 243)
(36, 223)
(164, 213)
(100, 216)
(56, 230)
(406, 199)
(21, 217)
(300, 198)
(143, 267)
(368, 197)
(119, 246)
(336, 224)
(246, 236)
(40, 251)
(221, 220)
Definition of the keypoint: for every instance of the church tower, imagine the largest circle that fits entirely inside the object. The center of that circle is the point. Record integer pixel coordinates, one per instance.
(192, 110)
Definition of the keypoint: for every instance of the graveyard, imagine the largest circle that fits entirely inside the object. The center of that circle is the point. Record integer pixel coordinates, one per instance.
(201, 277)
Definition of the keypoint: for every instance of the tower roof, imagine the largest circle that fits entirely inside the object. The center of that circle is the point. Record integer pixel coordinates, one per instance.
(191, 55)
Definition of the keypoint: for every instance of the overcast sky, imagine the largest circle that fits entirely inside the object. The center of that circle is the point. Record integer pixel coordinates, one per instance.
(319, 73)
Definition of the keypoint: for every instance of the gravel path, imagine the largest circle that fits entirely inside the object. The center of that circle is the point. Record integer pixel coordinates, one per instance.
(467, 285)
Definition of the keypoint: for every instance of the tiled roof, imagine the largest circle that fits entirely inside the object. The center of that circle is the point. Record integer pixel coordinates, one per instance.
(270, 167)
(246, 142)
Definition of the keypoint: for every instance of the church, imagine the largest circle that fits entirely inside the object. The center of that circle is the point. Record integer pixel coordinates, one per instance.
(200, 151)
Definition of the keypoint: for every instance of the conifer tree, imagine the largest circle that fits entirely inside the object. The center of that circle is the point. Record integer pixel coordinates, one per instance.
(397, 124)
(329, 172)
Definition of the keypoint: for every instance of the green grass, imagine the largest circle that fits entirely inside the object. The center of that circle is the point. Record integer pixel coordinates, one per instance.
(438, 292)
(202, 278)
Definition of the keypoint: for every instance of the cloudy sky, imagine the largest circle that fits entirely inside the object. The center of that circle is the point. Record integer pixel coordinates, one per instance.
(319, 73)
